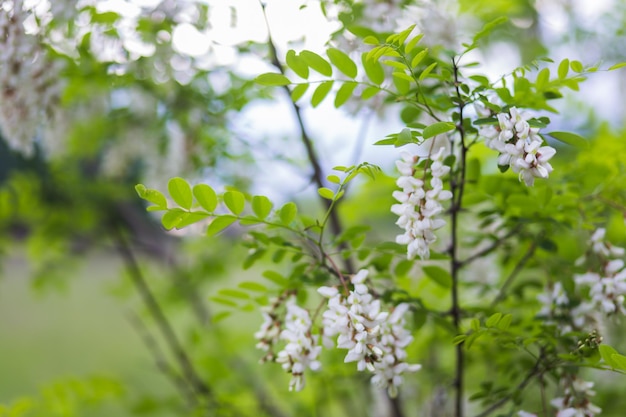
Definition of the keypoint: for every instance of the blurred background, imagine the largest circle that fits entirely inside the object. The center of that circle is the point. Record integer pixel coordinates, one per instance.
(97, 96)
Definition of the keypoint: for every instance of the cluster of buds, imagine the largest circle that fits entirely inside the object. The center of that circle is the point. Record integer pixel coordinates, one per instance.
(519, 145)
(607, 288)
(420, 205)
(375, 339)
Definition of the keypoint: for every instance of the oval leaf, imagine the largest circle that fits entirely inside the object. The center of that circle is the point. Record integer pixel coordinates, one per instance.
(327, 193)
(438, 275)
(261, 205)
(570, 138)
(342, 62)
(235, 201)
(373, 70)
(297, 64)
(272, 79)
(316, 62)
(344, 93)
(298, 91)
(437, 129)
(321, 92)
(220, 223)
(153, 196)
(206, 196)
(288, 212)
(180, 191)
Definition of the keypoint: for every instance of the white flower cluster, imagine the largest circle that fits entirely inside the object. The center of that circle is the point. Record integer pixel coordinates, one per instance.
(420, 205)
(29, 86)
(608, 287)
(519, 146)
(302, 349)
(375, 339)
(575, 402)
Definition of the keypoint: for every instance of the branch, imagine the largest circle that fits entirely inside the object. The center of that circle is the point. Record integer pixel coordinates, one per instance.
(518, 268)
(457, 187)
(160, 360)
(199, 387)
(534, 372)
(318, 175)
(495, 245)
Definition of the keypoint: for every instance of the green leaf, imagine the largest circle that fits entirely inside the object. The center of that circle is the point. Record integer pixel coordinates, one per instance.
(316, 62)
(570, 138)
(253, 286)
(275, 277)
(334, 179)
(404, 137)
(373, 70)
(369, 92)
(437, 129)
(412, 43)
(173, 217)
(321, 92)
(563, 68)
(493, 320)
(223, 301)
(418, 58)
(153, 196)
(475, 324)
(488, 28)
(542, 79)
(227, 292)
(344, 93)
(191, 218)
(297, 64)
(505, 322)
(261, 206)
(438, 275)
(206, 196)
(402, 82)
(180, 191)
(326, 193)
(576, 66)
(459, 339)
(617, 66)
(272, 79)
(220, 223)
(607, 352)
(394, 64)
(298, 91)
(342, 61)
(288, 212)
(427, 71)
(619, 361)
(235, 201)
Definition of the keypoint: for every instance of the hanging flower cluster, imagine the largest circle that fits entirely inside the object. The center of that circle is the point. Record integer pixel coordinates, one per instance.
(301, 350)
(375, 339)
(607, 287)
(575, 402)
(29, 86)
(420, 204)
(519, 146)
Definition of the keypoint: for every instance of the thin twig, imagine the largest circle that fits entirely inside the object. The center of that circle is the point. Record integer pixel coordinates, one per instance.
(318, 174)
(200, 388)
(534, 372)
(160, 359)
(518, 268)
(495, 245)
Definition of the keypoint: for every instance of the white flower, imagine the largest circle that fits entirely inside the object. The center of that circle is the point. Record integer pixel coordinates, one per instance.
(375, 339)
(419, 205)
(519, 146)
(301, 351)
(576, 401)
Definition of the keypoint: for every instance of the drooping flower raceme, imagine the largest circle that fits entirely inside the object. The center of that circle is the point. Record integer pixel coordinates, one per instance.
(607, 287)
(519, 145)
(575, 402)
(375, 339)
(419, 203)
(301, 350)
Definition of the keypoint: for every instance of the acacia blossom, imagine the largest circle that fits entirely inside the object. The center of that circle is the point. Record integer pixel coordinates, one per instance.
(607, 287)
(519, 145)
(575, 402)
(419, 204)
(375, 339)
